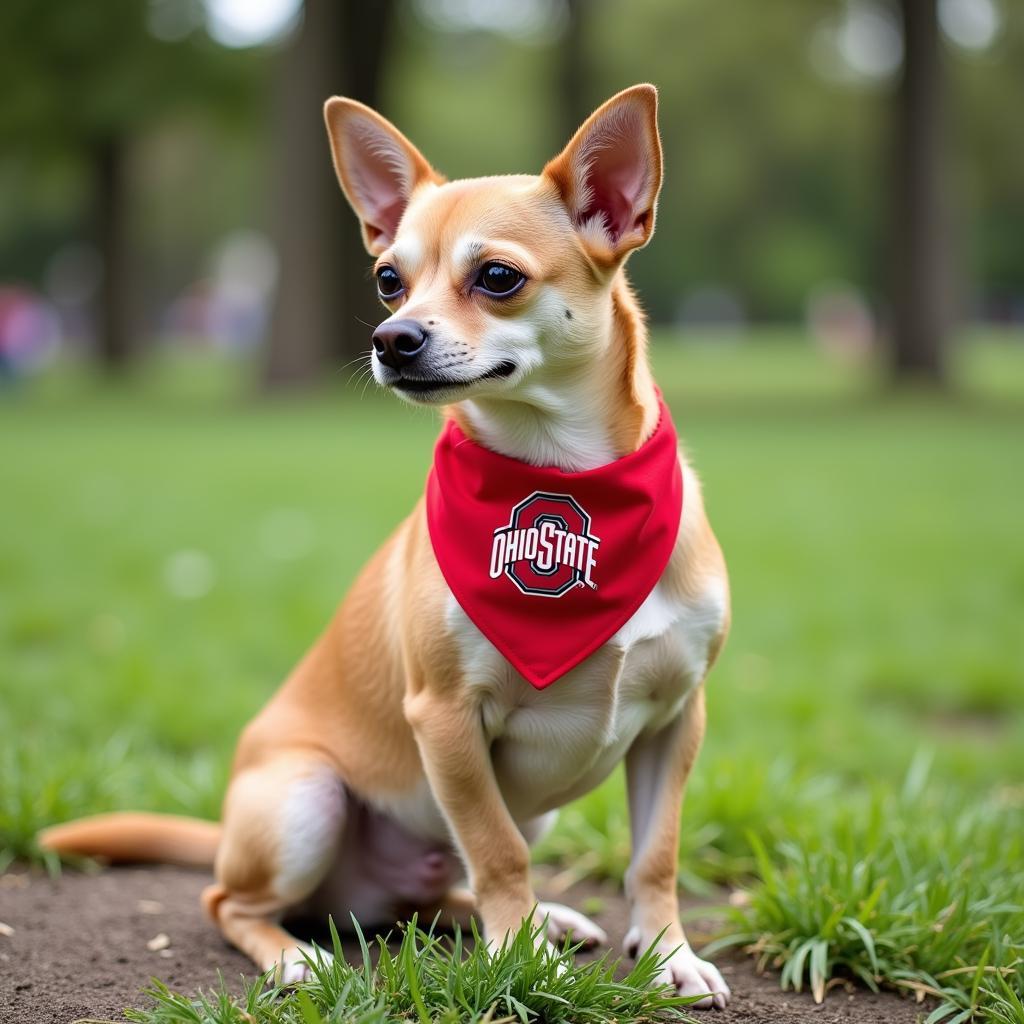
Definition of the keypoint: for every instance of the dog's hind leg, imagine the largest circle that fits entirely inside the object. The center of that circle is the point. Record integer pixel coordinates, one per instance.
(282, 823)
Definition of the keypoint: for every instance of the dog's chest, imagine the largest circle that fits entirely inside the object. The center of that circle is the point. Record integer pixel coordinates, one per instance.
(550, 746)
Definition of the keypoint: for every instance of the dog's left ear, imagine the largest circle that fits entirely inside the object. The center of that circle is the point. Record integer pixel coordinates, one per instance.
(609, 175)
(377, 166)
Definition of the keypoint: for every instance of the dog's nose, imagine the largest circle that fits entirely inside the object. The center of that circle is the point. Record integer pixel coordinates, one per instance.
(398, 342)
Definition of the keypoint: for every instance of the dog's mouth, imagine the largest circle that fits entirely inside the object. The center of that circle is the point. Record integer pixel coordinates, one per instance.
(425, 385)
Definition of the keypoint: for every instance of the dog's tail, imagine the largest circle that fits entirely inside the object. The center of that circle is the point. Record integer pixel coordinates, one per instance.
(129, 837)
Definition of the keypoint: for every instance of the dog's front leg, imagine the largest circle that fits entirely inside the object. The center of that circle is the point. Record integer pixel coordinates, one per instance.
(657, 767)
(457, 762)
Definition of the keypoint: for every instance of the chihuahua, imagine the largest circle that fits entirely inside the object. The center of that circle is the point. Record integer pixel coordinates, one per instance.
(407, 754)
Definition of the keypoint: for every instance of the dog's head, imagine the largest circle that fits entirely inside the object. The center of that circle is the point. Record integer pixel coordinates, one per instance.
(494, 283)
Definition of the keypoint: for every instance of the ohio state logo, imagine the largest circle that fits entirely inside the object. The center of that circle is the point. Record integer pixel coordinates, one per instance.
(547, 548)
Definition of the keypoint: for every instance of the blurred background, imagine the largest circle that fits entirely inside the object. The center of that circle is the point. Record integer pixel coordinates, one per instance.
(193, 469)
(852, 168)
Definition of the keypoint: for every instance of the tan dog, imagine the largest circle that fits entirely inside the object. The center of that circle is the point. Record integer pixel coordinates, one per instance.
(404, 751)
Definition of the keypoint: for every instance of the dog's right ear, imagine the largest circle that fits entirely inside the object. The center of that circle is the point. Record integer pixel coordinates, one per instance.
(377, 166)
(609, 175)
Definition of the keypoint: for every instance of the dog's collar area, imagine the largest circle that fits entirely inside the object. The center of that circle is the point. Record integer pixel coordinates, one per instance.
(550, 564)
(420, 384)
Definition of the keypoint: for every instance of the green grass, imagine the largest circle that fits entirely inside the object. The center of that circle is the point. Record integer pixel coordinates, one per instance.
(877, 896)
(168, 550)
(434, 981)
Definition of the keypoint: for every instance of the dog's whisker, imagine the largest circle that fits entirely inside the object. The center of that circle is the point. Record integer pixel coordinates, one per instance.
(366, 383)
(363, 357)
(361, 377)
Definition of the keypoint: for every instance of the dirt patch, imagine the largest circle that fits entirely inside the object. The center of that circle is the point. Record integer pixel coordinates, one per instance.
(85, 946)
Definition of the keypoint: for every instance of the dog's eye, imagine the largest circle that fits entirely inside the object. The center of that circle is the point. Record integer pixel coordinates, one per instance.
(499, 279)
(389, 284)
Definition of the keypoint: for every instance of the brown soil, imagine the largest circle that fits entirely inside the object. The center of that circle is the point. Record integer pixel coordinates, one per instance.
(80, 948)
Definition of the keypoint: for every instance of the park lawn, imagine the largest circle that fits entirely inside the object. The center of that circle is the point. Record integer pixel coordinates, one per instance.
(168, 550)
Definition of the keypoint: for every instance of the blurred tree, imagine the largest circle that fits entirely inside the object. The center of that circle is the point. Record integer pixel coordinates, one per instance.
(775, 147)
(323, 289)
(118, 322)
(156, 146)
(922, 273)
(80, 82)
(764, 191)
(571, 60)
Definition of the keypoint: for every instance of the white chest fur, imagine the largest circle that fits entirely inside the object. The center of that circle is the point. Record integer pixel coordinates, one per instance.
(550, 746)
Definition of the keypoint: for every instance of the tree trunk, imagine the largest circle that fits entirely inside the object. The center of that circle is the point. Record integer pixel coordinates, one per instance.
(571, 67)
(921, 306)
(115, 319)
(366, 35)
(323, 286)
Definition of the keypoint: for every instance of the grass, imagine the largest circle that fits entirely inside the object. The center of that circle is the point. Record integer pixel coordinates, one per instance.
(934, 910)
(168, 550)
(428, 979)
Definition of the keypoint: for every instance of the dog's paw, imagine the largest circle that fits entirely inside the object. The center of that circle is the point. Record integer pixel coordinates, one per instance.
(293, 966)
(563, 921)
(684, 970)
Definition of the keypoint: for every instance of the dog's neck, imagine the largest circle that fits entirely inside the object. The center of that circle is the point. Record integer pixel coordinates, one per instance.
(581, 417)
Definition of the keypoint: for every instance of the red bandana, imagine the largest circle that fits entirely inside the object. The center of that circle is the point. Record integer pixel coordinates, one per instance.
(549, 565)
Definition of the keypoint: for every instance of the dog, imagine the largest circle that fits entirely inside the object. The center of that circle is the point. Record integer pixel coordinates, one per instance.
(406, 753)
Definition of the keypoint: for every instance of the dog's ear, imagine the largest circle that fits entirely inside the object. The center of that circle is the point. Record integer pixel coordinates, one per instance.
(609, 174)
(377, 166)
